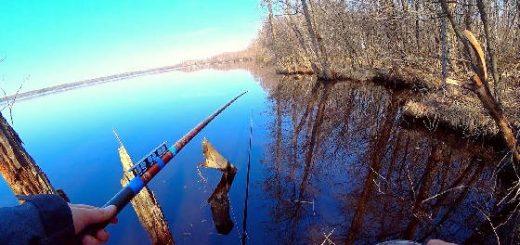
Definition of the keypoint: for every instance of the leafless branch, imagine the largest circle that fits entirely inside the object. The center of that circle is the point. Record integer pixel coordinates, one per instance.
(491, 224)
(460, 187)
(10, 103)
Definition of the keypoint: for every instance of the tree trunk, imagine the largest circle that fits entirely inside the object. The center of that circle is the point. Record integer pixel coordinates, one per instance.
(271, 29)
(404, 3)
(417, 27)
(468, 11)
(444, 49)
(293, 25)
(458, 32)
(490, 49)
(323, 71)
(19, 170)
(518, 12)
(489, 102)
(494, 109)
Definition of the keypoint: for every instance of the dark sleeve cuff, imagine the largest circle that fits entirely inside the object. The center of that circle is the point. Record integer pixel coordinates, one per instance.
(56, 218)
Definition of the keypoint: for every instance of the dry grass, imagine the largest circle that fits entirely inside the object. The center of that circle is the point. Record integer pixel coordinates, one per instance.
(461, 111)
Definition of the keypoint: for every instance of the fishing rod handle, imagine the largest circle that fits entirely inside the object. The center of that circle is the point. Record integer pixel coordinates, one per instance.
(125, 195)
(120, 200)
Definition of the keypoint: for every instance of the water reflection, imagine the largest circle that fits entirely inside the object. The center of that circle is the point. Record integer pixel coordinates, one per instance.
(338, 160)
(219, 199)
(219, 202)
(341, 160)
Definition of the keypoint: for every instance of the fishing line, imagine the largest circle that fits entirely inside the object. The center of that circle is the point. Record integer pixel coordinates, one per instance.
(244, 221)
(203, 180)
(233, 216)
(232, 210)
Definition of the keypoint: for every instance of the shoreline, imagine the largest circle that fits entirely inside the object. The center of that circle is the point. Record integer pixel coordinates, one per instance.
(429, 105)
(88, 82)
(459, 113)
(186, 66)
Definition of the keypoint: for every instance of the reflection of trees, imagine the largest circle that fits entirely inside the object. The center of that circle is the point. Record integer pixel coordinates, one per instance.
(316, 128)
(341, 145)
(375, 158)
(287, 191)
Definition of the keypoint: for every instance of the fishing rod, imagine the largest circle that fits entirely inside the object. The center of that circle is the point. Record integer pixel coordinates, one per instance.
(146, 168)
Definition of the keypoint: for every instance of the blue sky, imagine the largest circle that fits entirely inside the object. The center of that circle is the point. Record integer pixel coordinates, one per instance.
(52, 42)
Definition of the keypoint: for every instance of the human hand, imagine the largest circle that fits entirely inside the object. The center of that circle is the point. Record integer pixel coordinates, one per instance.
(439, 242)
(84, 215)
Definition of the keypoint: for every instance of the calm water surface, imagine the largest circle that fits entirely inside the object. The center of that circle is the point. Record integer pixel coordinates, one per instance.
(327, 159)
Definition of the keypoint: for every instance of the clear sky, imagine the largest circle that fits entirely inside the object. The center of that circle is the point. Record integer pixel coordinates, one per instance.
(53, 42)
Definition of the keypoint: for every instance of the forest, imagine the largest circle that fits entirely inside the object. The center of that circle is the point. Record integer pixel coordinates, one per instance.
(429, 47)
(329, 38)
(460, 58)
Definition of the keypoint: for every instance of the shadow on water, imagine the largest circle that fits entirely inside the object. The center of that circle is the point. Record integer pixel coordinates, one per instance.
(341, 164)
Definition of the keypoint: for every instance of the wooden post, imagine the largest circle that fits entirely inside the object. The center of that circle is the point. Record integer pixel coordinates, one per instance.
(145, 205)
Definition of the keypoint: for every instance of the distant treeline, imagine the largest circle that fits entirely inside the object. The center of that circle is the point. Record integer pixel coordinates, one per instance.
(88, 82)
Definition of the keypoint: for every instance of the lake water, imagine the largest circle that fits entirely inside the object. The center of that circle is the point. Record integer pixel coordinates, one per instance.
(330, 160)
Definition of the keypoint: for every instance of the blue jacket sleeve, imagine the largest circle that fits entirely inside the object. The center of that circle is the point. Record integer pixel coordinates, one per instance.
(42, 219)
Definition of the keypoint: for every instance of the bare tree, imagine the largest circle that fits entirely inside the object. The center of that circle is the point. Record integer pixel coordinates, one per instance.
(319, 49)
(490, 48)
